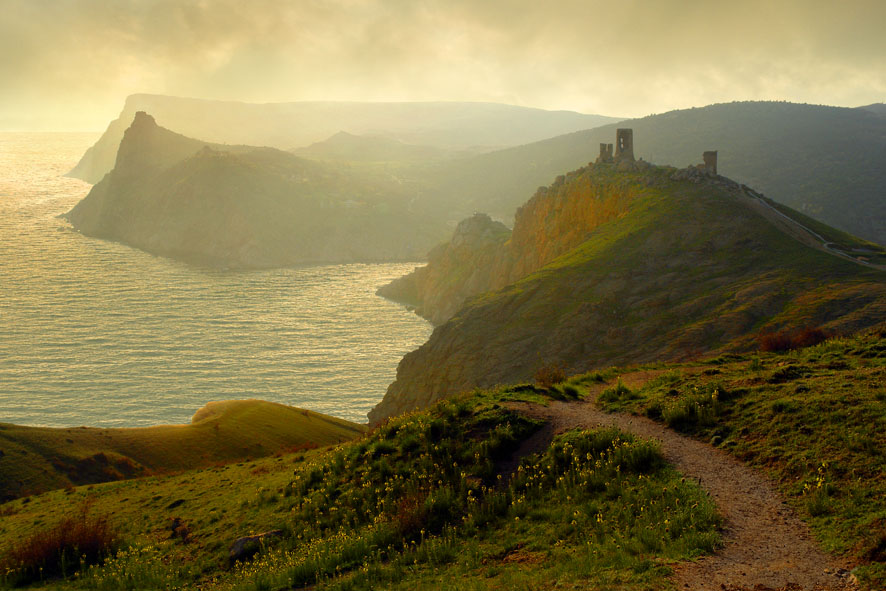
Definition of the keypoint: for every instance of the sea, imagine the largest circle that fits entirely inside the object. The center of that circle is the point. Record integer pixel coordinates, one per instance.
(98, 333)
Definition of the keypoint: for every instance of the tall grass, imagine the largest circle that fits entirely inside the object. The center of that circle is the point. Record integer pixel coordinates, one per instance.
(59, 551)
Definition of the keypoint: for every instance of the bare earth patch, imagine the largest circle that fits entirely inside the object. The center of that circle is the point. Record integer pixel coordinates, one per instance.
(766, 546)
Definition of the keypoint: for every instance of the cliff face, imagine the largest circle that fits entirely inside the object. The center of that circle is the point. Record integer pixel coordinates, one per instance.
(652, 268)
(484, 255)
(463, 267)
(246, 207)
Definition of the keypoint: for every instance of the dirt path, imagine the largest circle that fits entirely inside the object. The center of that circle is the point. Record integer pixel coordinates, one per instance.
(766, 545)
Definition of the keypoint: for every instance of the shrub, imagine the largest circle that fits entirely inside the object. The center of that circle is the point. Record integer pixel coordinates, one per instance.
(617, 392)
(548, 375)
(62, 549)
(788, 339)
(699, 408)
(775, 341)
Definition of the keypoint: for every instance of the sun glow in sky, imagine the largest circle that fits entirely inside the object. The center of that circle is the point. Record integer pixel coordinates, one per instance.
(69, 65)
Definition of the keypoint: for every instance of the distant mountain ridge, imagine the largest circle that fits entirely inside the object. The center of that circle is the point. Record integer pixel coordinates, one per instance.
(248, 207)
(451, 125)
(663, 264)
(347, 147)
(826, 162)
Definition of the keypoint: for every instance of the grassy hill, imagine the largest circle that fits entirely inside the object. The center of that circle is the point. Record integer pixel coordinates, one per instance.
(36, 459)
(434, 500)
(810, 418)
(347, 147)
(824, 161)
(658, 266)
(417, 504)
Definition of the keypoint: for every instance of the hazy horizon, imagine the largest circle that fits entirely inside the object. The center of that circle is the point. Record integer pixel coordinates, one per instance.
(71, 65)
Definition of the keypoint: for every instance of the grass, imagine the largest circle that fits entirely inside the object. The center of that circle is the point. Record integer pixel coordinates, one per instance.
(36, 459)
(68, 546)
(812, 418)
(424, 501)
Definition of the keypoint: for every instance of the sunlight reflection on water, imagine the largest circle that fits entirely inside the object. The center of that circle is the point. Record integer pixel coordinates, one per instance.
(97, 333)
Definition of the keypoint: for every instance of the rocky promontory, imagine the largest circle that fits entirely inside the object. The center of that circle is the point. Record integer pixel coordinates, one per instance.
(247, 207)
(606, 267)
(484, 255)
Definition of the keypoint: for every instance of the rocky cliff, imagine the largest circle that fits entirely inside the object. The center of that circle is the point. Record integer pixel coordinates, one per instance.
(247, 207)
(660, 265)
(465, 266)
(484, 255)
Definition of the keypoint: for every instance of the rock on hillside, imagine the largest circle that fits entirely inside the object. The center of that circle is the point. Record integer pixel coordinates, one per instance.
(247, 207)
(684, 267)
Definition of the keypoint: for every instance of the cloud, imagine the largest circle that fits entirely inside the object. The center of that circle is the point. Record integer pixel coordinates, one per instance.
(71, 63)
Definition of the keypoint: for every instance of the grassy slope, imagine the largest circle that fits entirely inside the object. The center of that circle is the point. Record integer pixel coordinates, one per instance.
(689, 269)
(36, 459)
(813, 419)
(415, 504)
(405, 506)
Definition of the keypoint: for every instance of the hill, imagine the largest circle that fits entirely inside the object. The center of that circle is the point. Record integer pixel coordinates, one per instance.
(825, 162)
(520, 486)
(246, 207)
(609, 267)
(36, 459)
(878, 108)
(347, 147)
(290, 125)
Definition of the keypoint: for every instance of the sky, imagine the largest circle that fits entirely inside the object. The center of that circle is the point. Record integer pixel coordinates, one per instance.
(69, 64)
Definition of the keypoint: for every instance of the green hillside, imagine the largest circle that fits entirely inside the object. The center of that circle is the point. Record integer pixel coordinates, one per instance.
(812, 419)
(422, 503)
(681, 266)
(476, 494)
(36, 459)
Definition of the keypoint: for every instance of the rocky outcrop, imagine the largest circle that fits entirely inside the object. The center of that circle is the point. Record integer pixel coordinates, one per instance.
(247, 207)
(248, 546)
(672, 269)
(484, 256)
(463, 267)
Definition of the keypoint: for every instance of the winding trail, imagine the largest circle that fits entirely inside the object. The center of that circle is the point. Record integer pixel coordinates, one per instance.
(766, 546)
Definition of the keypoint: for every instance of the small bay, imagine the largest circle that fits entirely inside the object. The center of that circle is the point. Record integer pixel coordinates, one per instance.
(97, 333)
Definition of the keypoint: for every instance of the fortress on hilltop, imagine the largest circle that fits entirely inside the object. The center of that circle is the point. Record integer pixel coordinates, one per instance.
(623, 155)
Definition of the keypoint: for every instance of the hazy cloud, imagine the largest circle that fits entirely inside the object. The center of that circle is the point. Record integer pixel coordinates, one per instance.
(70, 63)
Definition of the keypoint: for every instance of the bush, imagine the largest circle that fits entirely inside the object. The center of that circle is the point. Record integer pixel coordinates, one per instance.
(548, 375)
(698, 408)
(617, 392)
(73, 542)
(788, 339)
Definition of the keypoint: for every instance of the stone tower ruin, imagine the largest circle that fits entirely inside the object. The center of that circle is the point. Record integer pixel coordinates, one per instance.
(710, 162)
(624, 145)
(605, 153)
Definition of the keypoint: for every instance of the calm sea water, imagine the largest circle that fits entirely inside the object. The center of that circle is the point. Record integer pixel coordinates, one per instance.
(97, 333)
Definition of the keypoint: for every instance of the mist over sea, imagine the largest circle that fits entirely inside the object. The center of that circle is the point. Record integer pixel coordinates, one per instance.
(98, 333)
